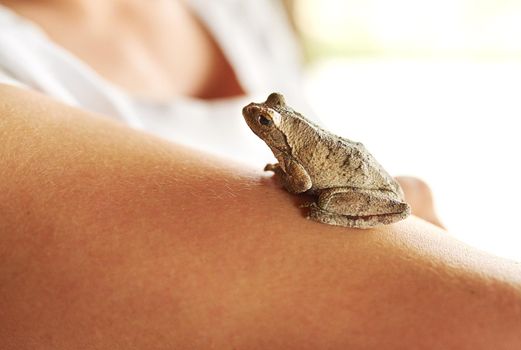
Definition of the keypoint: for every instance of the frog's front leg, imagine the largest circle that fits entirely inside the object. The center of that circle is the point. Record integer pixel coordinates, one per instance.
(353, 207)
(294, 177)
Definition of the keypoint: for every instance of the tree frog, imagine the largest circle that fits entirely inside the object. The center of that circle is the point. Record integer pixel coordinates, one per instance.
(351, 188)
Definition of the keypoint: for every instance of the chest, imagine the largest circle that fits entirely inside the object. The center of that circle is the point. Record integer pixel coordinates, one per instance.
(158, 51)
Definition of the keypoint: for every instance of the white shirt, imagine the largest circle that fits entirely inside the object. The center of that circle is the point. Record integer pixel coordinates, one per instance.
(255, 39)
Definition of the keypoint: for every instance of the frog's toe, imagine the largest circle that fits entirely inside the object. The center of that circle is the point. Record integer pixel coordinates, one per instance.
(307, 205)
(270, 167)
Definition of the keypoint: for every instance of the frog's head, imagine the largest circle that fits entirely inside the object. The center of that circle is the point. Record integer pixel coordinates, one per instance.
(266, 120)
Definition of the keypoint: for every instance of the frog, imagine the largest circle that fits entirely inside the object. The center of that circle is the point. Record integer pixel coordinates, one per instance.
(348, 186)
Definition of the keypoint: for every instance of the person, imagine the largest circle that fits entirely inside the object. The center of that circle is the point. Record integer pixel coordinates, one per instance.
(122, 226)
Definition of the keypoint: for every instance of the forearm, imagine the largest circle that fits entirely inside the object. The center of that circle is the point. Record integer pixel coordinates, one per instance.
(113, 239)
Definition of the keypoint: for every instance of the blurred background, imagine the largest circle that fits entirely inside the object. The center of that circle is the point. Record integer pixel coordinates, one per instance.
(433, 89)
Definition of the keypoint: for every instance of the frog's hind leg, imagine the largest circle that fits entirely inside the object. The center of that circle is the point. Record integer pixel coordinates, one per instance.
(358, 207)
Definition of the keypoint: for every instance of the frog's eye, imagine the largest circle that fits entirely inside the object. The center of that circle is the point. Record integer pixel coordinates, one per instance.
(263, 120)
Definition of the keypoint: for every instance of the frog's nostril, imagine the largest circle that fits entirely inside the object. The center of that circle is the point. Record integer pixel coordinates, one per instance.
(248, 110)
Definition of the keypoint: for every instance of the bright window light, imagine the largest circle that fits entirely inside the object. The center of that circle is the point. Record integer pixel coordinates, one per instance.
(433, 89)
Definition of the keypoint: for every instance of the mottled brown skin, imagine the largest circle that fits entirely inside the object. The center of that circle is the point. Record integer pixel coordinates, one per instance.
(352, 189)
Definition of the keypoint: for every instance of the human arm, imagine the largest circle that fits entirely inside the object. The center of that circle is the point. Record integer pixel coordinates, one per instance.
(110, 238)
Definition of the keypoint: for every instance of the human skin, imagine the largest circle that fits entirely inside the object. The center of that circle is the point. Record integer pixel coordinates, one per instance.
(114, 239)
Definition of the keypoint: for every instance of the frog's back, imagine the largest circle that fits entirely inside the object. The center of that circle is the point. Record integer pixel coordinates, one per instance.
(333, 161)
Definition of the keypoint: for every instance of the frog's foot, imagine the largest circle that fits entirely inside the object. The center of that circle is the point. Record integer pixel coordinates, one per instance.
(276, 168)
(307, 205)
(358, 208)
(272, 167)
